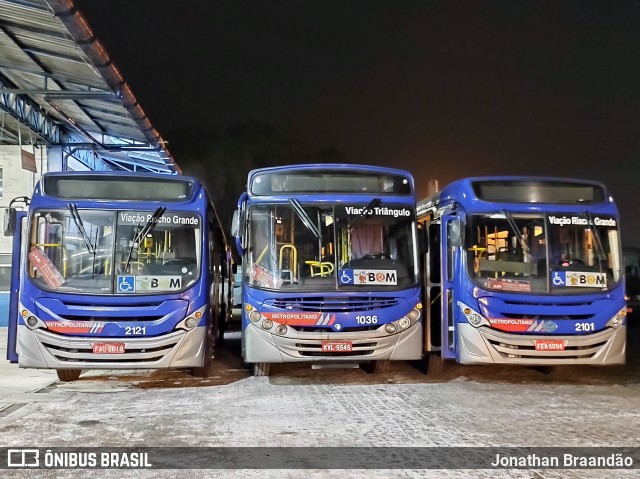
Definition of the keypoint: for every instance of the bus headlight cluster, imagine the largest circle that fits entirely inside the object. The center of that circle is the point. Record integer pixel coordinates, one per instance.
(191, 321)
(261, 321)
(618, 318)
(404, 322)
(30, 319)
(474, 318)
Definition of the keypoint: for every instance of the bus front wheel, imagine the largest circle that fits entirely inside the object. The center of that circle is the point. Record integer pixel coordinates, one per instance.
(206, 369)
(376, 367)
(261, 369)
(435, 365)
(68, 375)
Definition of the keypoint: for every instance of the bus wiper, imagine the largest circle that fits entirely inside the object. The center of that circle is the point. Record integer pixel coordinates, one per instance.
(596, 234)
(516, 231)
(372, 204)
(297, 207)
(78, 221)
(148, 228)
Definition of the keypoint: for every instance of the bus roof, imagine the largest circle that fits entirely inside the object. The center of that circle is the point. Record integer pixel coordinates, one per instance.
(330, 178)
(110, 186)
(329, 166)
(525, 190)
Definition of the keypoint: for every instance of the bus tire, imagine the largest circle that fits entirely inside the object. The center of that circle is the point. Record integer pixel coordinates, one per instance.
(555, 372)
(206, 370)
(261, 369)
(221, 329)
(376, 367)
(68, 375)
(435, 365)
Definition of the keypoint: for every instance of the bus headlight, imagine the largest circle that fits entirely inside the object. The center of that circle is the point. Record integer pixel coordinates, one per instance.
(30, 319)
(474, 318)
(254, 316)
(618, 318)
(281, 330)
(191, 322)
(404, 322)
(267, 324)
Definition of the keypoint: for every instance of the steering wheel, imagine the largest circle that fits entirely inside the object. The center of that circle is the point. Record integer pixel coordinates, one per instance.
(375, 256)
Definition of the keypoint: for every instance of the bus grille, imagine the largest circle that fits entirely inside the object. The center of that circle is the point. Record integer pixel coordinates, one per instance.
(498, 308)
(333, 304)
(349, 329)
(80, 350)
(110, 319)
(517, 347)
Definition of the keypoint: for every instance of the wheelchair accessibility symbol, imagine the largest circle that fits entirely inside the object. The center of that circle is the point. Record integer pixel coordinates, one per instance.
(126, 284)
(346, 276)
(558, 278)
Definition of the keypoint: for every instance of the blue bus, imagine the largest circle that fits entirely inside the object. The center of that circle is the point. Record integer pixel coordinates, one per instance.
(118, 271)
(330, 266)
(523, 270)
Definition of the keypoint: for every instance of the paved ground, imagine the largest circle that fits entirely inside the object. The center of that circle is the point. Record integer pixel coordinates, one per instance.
(298, 406)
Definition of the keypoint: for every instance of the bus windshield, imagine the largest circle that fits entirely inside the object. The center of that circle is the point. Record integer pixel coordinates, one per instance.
(558, 254)
(105, 252)
(303, 247)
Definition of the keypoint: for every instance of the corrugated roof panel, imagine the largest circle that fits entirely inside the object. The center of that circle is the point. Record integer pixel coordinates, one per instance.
(11, 55)
(48, 45)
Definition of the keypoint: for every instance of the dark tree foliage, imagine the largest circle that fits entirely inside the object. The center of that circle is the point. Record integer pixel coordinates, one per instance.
(223, 161)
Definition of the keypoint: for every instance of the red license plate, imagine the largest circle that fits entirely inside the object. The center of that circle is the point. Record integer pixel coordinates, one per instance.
(337, 346)
(550, 345)
(108, 348)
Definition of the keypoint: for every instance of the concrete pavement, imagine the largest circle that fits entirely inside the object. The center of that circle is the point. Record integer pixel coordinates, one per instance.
(21, 388)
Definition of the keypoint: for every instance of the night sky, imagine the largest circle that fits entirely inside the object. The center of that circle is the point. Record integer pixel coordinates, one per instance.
(445, 89)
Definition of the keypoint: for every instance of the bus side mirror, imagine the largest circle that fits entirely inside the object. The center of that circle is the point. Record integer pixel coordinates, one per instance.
(235, 222)
(237, 228)
(455, 233)
(10, 216)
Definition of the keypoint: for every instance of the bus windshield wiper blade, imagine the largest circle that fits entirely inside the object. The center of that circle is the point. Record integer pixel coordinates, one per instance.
(151, 224)
(148, 228)
(78, 221)
(372, 204)
(297, 207)
(516, 231)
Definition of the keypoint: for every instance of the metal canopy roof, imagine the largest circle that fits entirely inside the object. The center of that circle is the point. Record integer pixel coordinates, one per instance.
(59, 87)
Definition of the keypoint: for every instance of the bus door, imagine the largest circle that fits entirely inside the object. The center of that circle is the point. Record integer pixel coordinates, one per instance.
(432, 286)
(449, 264)
(14, 226)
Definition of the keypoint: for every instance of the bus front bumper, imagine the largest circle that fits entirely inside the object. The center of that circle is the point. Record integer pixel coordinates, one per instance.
(40, 348)
(488, 346)
(262, 346)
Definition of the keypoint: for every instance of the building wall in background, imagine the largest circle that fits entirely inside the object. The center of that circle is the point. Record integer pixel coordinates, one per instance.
(14, 181)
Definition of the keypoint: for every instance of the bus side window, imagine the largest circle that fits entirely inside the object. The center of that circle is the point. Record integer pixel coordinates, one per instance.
(434, 249)
(451, 248)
